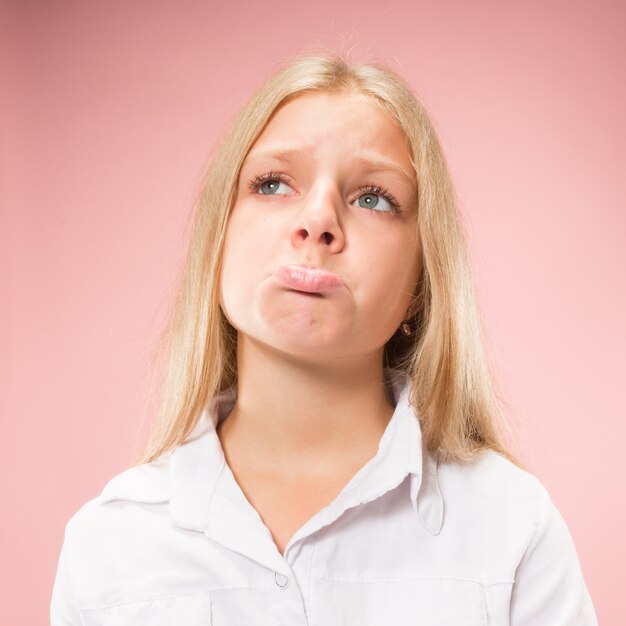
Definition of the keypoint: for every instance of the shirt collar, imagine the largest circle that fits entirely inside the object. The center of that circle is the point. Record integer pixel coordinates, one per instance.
(188, 476)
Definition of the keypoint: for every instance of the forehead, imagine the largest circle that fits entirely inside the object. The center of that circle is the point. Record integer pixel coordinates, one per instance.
(324, 122)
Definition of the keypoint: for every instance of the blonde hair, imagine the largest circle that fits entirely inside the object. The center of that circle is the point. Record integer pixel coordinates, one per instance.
(451, 387)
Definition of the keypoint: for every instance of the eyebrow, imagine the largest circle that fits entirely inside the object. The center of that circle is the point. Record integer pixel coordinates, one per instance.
(372, 159)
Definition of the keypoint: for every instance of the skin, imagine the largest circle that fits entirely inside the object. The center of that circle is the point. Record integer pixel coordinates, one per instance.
(311, 408)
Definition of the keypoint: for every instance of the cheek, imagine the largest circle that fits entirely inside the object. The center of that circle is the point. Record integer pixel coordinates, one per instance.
(237, 260)
(251, 252)
(389, 281)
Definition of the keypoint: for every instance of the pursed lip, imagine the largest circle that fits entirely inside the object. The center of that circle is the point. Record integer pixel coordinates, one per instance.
(307, 278)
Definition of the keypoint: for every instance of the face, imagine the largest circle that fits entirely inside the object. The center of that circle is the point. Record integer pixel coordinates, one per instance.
(328, 201)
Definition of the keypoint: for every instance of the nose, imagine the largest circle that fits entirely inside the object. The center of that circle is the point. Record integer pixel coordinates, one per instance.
(318, 221)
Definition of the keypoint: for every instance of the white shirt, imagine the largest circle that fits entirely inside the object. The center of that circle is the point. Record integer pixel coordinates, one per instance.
(409, 540)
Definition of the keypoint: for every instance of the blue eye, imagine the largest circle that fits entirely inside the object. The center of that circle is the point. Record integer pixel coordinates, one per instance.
(369, 196)
(271, 186)
(268, 183)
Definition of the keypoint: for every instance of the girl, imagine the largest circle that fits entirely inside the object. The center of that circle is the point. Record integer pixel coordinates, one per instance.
(328, 448)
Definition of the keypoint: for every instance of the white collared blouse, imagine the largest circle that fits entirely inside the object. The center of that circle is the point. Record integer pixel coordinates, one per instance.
(409, 540)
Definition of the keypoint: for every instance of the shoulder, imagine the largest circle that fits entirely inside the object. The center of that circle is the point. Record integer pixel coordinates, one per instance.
(504, 521)
(495, 495)
(148, 483)
(523, 537)
(107, 528)
(495, 479)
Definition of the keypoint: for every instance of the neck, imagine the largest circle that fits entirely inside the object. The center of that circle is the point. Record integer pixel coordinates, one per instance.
(305, 419)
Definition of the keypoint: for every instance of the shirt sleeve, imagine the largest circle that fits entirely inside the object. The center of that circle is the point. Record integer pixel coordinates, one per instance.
(63, 607)
(549, 587)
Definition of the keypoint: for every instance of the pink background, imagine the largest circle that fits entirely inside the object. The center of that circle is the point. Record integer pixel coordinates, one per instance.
(110, 111)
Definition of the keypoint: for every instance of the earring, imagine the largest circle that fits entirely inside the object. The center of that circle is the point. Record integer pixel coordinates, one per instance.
(405, 327)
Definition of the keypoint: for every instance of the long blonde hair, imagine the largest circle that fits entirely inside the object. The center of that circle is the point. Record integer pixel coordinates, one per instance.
(451, 386)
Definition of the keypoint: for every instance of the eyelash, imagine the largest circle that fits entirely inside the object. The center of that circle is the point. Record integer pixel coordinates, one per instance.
(257, 181)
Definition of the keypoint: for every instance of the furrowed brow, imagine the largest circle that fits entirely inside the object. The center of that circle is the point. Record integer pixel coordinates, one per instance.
(288, 155)
(379, 163)
(374, 161)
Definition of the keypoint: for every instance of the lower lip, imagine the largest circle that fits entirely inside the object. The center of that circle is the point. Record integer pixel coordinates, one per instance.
(308, 280)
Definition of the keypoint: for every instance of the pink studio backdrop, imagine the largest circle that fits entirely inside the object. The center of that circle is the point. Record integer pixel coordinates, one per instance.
(110, 111)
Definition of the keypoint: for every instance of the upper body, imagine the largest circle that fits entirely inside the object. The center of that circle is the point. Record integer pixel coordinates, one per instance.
(326, 243)
(408, 540)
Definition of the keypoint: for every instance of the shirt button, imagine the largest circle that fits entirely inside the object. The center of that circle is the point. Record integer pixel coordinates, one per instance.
(281, 579)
